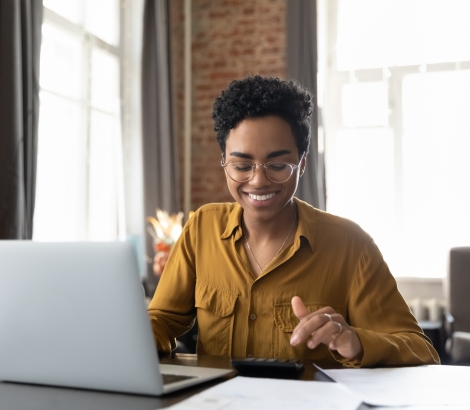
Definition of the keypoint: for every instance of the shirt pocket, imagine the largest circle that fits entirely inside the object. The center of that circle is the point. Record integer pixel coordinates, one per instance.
(285, 323)
(215, 308)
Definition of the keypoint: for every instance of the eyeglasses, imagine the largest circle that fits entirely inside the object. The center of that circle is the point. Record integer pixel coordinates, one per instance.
(276, 171)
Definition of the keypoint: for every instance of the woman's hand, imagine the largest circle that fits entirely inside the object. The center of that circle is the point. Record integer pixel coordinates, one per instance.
(327, 327)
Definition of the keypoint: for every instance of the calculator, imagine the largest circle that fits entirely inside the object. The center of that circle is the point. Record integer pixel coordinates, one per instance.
(268, 367)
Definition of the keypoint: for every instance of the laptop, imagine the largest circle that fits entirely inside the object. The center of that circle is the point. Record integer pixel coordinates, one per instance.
(74, 315)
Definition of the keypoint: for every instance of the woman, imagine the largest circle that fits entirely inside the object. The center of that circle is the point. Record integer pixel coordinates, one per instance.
(269, 275)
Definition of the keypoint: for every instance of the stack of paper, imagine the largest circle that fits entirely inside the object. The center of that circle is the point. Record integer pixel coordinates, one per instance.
(416, 388)
(408, 386)
(242, 393)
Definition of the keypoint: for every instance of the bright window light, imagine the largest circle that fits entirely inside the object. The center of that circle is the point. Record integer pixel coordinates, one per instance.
(397, 129)
(364, 174)
(436, 168)
(105, 81)
(62, 59)
(365, 104)
(59, 212)
(103, 196)
(385, 33)
(79, 176)
(70, 9)
(107, 29)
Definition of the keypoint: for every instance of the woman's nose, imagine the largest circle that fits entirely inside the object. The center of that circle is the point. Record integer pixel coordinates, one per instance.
(259, 178)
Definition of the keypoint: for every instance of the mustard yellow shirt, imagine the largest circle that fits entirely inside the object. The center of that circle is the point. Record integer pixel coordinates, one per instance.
(332, 262)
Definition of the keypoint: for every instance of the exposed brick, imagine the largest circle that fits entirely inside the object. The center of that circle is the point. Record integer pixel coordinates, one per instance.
(231, 39)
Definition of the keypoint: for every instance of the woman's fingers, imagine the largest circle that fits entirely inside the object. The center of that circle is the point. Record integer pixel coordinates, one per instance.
(327, 333)
(347, 344)
(299, 308)
(327, 327)
(310, 324)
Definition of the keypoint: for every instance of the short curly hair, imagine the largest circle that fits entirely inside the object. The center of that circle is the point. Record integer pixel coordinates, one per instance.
(256, 96)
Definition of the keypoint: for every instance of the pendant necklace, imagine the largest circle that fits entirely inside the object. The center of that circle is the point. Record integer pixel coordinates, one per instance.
(278, 252)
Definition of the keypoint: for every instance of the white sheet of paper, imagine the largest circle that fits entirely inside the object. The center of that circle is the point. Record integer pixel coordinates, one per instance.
(432, 385)
(242, 393)
(426, 407)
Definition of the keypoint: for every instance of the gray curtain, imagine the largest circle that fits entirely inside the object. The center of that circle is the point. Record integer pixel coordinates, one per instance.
(159, 145)
(302, 66)
(20, 42)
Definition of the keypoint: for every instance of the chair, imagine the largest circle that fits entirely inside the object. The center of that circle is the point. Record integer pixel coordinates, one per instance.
(457, 315)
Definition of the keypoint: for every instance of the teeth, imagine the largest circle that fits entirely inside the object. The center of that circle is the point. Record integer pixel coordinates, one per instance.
(261, 197)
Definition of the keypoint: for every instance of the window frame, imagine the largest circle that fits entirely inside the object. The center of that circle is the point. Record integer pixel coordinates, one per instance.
(90, 42)
(331, 103)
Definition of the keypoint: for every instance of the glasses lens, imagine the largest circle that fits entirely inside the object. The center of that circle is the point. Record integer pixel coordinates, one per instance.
(279, 171)
(239, 171)
(275, 171)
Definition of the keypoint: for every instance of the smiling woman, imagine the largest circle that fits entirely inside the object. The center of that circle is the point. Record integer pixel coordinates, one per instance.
(267, 195)
(269, 275)
(261, 140)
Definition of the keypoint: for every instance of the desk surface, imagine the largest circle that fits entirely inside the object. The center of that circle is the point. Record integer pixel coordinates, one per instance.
(28, 397)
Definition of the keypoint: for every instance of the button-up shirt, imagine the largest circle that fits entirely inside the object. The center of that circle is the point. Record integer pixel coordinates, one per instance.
(332, 262)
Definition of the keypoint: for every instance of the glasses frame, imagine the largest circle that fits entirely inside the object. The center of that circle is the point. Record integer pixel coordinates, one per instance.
(254, 168)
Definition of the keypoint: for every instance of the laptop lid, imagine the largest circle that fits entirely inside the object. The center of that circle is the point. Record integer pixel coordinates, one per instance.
(74, 315)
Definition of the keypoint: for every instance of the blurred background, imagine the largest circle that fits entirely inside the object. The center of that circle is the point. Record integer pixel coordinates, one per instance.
(126, 90)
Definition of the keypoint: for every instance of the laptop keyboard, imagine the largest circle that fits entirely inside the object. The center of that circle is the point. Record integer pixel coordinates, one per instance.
(172, 378)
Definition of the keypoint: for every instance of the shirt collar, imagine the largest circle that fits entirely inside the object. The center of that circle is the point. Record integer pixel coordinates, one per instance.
(306, 228)
(307, 221)
(234, 221)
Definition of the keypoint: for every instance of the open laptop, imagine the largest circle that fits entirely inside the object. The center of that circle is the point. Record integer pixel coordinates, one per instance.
(74, 315)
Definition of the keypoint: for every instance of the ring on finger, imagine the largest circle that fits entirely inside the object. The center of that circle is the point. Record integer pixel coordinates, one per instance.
(340, 328)
(328, 316)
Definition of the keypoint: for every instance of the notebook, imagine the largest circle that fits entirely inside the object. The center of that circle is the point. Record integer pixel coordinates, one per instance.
(74, 315)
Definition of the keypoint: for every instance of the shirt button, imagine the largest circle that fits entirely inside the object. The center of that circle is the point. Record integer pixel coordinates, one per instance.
(252, 316)
(249, 355)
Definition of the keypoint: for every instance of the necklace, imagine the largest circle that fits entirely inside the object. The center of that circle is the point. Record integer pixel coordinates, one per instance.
(278, 252)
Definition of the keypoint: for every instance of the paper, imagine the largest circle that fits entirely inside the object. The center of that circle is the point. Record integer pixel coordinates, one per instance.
(408, 386)
(242, 393)
(456, 407)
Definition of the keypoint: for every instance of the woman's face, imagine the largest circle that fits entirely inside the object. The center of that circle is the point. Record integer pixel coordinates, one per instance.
(261, 140)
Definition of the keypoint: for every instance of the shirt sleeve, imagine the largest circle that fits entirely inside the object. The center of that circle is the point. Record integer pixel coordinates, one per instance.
(389, 333)
(172, 310)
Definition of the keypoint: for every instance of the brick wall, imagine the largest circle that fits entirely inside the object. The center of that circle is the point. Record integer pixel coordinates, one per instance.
(230, 39)
(177, 77)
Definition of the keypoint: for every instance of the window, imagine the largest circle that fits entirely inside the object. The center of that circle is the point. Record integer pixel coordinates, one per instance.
(396, 102)
(79, 193)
